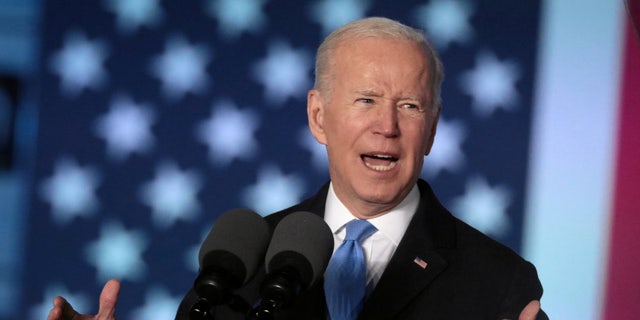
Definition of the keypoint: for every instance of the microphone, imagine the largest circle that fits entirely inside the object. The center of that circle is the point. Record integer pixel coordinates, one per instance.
(297, 256)
(228, 258)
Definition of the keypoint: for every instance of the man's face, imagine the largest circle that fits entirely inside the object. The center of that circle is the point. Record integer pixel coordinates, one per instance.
(376, 121)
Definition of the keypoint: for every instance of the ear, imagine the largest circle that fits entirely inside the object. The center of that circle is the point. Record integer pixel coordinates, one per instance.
(432, 134)
(315, 115)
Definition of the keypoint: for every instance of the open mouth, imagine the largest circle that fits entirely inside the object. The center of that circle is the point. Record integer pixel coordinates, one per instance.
(379, 162)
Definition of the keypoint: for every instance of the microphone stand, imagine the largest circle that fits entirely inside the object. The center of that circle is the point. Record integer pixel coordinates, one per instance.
(202, 309)
(212, 289)
(278, 290)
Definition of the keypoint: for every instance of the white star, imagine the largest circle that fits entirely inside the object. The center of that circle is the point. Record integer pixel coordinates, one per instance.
(273, 191)
(158, 305)
(446, 21)
(318, 151)
(491, 84)
(117, 253)
(126, 128)
(229, 133)
(172, 195)
(332, 14)
(181, 68)
(70, 191)
(131, 15)
(79, 64)
(79, 301)
(483, 207)
(446, 153)
(238, 16)
(283, 73)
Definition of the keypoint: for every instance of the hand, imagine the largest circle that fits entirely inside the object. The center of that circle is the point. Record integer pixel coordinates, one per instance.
(530, 311)
(62, 310)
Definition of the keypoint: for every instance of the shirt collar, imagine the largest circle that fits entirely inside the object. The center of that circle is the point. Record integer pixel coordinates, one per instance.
(392, 224)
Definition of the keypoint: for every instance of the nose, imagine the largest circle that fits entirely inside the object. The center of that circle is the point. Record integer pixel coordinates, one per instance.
(387, 121)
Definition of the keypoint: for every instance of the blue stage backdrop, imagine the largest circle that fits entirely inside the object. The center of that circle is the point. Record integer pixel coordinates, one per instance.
(155, 117)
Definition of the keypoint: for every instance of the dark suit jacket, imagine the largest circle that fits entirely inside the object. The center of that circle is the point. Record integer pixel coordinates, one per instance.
(468, 275)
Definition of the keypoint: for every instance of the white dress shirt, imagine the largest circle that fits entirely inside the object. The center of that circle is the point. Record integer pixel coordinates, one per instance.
(380, 246)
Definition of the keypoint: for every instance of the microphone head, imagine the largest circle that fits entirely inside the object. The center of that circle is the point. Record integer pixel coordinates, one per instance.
(303, 241)
(235, 245)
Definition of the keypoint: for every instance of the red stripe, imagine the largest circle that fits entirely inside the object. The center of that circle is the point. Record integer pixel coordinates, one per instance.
(622, 299)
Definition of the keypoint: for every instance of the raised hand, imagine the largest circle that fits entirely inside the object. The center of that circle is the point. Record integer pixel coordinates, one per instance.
(62, 310)
(530, 311)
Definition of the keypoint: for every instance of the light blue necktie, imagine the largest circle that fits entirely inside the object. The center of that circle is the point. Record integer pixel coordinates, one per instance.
(346, 275)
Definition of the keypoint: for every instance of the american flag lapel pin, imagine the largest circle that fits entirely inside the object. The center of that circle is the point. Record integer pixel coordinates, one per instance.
(421, 263)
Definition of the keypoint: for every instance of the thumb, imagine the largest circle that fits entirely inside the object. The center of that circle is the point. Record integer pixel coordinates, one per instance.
(530, 311)
(108, 300)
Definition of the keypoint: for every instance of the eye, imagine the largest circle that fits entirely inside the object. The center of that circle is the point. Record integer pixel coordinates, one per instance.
(365, 100)
(412, 106)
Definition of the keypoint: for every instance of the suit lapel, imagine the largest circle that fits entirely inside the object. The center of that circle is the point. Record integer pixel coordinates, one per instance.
(428, 238)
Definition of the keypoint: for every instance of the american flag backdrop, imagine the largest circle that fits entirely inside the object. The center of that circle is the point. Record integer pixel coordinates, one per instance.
(155, 117)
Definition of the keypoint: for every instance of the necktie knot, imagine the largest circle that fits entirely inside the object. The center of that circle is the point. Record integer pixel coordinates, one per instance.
(358, 230)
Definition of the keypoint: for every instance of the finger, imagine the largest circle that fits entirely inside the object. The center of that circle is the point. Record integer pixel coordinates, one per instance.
(61, 310)
(55, 313)
(108, 300)
(530, 311)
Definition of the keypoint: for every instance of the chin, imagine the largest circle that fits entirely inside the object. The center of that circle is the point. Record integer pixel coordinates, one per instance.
(381, 196)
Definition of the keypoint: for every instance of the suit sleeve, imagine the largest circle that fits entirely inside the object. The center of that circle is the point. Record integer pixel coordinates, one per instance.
(524, 287)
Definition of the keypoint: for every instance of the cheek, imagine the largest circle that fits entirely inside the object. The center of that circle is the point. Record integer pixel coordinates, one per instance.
(331, 127)
(420, 138)
(343, 126)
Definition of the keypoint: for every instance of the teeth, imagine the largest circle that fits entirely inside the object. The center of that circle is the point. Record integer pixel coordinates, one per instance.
(380, 167)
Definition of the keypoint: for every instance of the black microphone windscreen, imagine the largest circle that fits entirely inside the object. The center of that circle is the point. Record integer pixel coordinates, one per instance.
(301, 240)
(236, 244)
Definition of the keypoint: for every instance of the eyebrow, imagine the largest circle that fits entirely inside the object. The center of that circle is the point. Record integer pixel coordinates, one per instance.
(368, 93)
(373, 93)
(412, 98)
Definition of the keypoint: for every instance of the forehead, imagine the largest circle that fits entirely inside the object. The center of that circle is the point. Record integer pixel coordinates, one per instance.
(400, 65)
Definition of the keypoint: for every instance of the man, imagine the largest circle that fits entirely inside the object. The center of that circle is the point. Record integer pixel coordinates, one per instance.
(375, 106)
